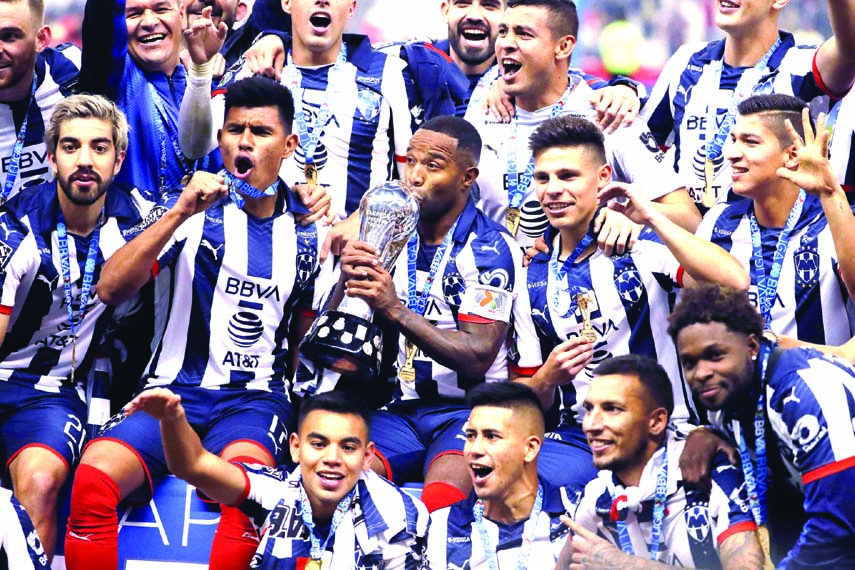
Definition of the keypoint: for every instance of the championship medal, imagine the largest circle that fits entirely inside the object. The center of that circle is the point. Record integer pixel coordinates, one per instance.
(512, 220)
(709, 175)
(407, 373)
(582, 301)
(313, 564)
(311, 173)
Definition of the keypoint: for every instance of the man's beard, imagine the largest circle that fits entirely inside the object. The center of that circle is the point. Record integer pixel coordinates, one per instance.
(78, 198)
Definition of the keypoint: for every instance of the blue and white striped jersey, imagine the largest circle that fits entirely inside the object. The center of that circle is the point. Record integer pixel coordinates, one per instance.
(811, 298)
(678, 108)
(234, 288)
(695, 523)
(454, 541)
(632, 297)
(810, 407)
(477, 281)
(367, 130)
(632, 152)
(37, 349)
(56, 72)
(386, 527)
(842, 145)
(20, 547)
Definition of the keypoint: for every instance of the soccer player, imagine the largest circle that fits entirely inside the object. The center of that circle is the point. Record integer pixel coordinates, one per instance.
(511, 518)
(329, 512)
(33, 79)
(842, 146)
(55, 238)
(240, 282)
(451, 299)
(638, 513)
(20, 547)
(791, 414)
(693, 105)
(584, 306)
(795, 231)
(352, 113)
(536, 40)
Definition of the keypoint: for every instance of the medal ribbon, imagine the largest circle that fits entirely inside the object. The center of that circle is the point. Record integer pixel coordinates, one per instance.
(659, 498)
(317, 550)
(518, 186)
(561, 274)
(162, 125)
(744, 88)
(238, 187)
(767, 286)
(529, 530)
(88, 274)
(309, 141)
(18, 148)
(756, 480)
(419, 305)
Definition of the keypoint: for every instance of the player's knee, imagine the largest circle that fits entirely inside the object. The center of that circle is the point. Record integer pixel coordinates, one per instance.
(94, 496)
(38, 490)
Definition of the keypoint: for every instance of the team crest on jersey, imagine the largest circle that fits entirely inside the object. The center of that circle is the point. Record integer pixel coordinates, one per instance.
(245, 328)
(806, 261)
(5, 254)
(453, 288)
(629, 285)
(368, 104)
(698, 522)
(305, 268)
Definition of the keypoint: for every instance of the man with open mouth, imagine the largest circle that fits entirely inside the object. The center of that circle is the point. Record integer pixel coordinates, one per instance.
(693, 104)
(234, 301)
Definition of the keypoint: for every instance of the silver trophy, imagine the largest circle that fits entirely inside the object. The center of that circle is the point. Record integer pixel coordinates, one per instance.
(345, 340)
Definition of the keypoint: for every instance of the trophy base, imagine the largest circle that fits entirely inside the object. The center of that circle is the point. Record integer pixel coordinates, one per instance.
(343, 343)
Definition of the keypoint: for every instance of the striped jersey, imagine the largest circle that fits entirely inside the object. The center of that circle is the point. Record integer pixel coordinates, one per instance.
(367, 128)
(842, 146)
(810, 424)
(811, 300)
(630, 298)
(56, 74)
(632, 152)
(695, 523)
(678, 110)
(385, 528)
(20, 547)
(454, 541)
(476, 281)
(37, 349)
(234, 286)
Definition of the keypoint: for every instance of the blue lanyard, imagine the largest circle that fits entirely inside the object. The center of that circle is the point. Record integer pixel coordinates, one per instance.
(529, 530)
(419, 305)
(18, 148)
(561, 274)
(161, 125)
(659, 499)
(518, 186)
(317, 549)
(309, 141)
(88, 274)
(238, 187)
(767, 285)
(756, 480)
(744, 87)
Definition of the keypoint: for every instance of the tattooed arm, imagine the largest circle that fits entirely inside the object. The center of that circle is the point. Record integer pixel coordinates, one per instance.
(741, 551)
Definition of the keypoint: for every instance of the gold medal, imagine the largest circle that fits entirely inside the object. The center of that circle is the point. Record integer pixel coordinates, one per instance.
(583, 301)
(313, 564)
(512, 220)
(709, 192)
(311, 173)
(763, 537)
(407, 373)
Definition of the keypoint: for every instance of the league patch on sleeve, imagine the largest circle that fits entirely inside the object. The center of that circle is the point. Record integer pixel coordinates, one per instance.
(487, 302)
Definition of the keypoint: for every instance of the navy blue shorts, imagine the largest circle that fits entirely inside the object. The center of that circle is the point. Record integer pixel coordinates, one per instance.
(410, 435)
(565, 458)
(220, 417)
(52, 420)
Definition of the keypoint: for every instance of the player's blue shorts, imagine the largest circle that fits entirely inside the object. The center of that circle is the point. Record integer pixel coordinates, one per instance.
(52, 420)
(410, 435)
(220, 417)
(565, 458)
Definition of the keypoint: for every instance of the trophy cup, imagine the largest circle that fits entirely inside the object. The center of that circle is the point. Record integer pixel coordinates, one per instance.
(344, 339)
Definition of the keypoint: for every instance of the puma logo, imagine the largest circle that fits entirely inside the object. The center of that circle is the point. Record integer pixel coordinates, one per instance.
(214, 250)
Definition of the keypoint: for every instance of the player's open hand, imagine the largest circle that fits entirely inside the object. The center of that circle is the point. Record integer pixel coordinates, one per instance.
(498, 103)
(204, 38)
(813, 172)
(616, 233)
(591, 552)
(568, 359)
(159, 403)
(266, 57)
(628, 200)
(616, 105)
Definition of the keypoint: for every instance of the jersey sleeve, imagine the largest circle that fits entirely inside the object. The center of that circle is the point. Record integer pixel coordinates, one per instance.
(490, 297)
(658, 110)
(729, 508)
(636, 157)
(658, 259)
(17, 261)
(263, 491)
(524, 355)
